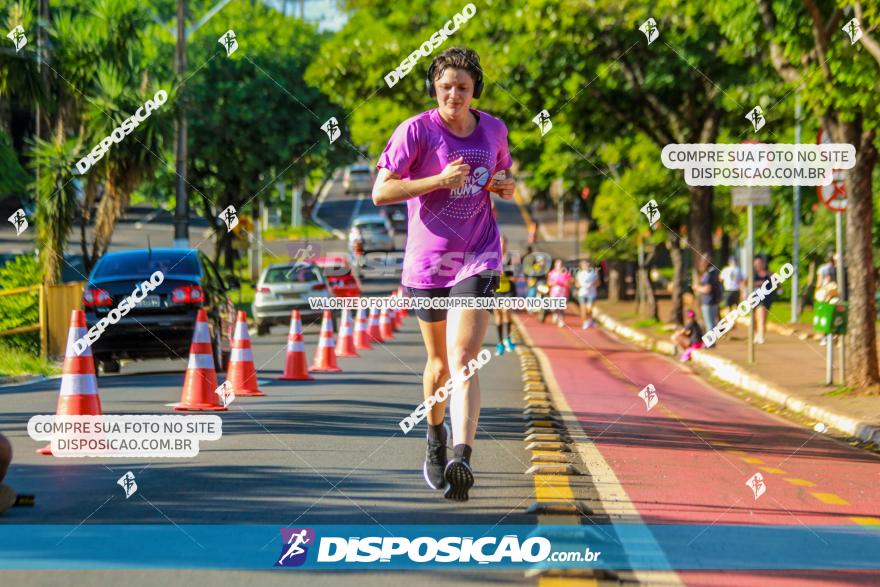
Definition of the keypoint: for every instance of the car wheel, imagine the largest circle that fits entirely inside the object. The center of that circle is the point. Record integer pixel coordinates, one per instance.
(263, 328)
(109, 366)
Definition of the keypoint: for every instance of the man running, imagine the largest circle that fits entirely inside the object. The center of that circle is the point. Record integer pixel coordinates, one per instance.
(440, 162)
(587, 279)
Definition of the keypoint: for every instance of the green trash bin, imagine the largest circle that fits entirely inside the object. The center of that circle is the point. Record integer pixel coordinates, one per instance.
(830, 318)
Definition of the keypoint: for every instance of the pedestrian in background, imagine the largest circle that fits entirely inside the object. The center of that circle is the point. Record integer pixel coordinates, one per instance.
(559, 281)
(732, 279)
(762, 276)
(689, 337)
(587, 280)
(710, 293)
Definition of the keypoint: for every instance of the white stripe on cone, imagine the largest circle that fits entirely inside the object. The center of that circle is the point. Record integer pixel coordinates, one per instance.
(241, 331)
(296, 345)
(74, 334)
(201, 334)
(197, 361)
(242, 355)
(329, 341)
(74, 384)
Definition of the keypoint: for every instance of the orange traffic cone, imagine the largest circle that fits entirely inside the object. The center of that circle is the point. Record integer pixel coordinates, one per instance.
(392, 316)
(373, 329)
(345, 345)
(200, 382)
(79, 386)
(325, 355)
(361, 337)
(242, 374)
(385, 325)
(295, 367)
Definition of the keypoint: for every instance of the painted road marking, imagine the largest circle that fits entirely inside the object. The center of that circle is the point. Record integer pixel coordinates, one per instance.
(773, 470)
(830, 498)
(566, 582)
(865, 520)
(752, 460)
(612, 495)
(553, 488)
(800, 482)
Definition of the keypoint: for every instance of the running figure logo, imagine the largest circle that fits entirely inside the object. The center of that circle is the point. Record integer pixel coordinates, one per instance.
(229, 42)
(652, 212)
(128, 484)
(649, 394)
(17, 37)
(227, 395)
(331, 127)
(293, 548)
(649, 27)
(756, 117)
(19, 221)
(543, 121)
(229, 217)
(756, 482)
(854, 30)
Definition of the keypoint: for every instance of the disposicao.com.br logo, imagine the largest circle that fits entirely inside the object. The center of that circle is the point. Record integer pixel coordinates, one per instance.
(413, 546)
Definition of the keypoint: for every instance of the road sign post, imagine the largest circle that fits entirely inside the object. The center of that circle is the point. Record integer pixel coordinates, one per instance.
(833, 196)
(751, 196)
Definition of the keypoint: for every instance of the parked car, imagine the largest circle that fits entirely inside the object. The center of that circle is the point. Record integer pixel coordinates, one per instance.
(358, 179)
(285, 287)
(161, 325)
(397, 214)
(374, 231)
(340, 278)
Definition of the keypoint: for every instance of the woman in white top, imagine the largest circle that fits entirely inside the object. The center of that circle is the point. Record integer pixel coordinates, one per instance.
(587, 280)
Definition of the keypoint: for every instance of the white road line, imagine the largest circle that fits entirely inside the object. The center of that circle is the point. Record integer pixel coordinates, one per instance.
(612, 495)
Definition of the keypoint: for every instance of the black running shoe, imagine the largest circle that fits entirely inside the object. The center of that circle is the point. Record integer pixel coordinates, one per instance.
(435, 462)
(459, 479)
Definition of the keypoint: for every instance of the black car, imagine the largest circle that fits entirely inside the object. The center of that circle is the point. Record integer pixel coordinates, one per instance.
(162, 324)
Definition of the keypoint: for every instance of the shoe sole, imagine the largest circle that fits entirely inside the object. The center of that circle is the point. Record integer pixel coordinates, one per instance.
(459, 479)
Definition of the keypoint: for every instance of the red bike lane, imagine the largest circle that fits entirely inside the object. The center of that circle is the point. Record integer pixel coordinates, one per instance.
(687, 460)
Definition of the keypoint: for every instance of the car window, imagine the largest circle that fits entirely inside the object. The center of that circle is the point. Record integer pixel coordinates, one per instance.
(371, 226)
(145, 263)
(302, 274)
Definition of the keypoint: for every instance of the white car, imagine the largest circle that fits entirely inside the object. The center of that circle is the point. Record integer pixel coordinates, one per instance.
(374, 231)
(285, 287)
(359, 179)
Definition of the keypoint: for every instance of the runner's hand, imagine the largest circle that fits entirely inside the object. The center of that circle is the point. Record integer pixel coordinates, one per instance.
(505, 188)
(455, 174)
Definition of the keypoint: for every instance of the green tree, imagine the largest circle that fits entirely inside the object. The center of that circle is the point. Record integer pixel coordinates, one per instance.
(839, 84)
(263, 121)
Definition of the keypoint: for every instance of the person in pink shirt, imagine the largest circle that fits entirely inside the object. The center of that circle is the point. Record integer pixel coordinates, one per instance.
(559, 279)
(440, 162)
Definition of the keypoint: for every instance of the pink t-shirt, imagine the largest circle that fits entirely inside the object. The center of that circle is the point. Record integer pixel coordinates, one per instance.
(451, 233)
(559, 281)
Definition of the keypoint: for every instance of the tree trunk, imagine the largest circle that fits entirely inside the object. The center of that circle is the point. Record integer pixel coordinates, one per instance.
(673, 243)
(647, 299)
(700, 221)
(614, 281)
(862, 370)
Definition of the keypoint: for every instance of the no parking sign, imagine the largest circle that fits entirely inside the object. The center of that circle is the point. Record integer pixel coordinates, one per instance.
(832, 195)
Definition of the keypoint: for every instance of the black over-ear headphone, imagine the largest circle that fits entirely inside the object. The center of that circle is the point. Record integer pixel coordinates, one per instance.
(429, 81)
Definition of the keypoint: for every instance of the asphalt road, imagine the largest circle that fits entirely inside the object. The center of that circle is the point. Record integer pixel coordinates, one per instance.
(329, 451)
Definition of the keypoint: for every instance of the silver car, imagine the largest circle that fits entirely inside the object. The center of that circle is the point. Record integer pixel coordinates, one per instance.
(286, 287)
(358, 179)
(374, 231)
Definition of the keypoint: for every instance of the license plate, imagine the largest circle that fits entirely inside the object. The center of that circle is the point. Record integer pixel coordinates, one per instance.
(150, 302)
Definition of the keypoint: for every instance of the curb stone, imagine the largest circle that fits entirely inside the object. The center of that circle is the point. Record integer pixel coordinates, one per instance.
(730, 372)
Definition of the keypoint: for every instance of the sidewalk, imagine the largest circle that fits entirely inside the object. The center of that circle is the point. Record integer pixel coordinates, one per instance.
(788, 370)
